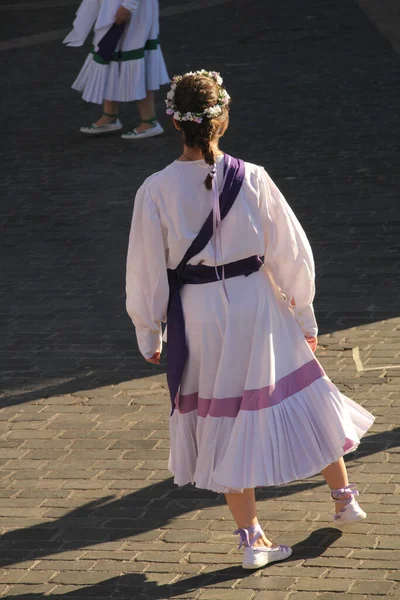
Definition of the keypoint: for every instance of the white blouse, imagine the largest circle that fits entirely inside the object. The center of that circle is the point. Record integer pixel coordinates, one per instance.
(97, 14)
(170, 209)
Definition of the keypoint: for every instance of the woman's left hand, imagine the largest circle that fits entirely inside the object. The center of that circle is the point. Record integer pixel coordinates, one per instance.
(122, 15)
(155, 359)
(312, 342)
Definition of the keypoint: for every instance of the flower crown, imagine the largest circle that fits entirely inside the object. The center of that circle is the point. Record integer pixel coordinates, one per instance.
(210, 112)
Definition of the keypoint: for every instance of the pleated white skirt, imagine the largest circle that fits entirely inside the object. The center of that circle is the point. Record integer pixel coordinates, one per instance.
(256, 408)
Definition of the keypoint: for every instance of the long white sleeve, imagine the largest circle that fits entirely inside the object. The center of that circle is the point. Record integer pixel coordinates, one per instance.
(147, 289)
(288, 255)
(130, 4)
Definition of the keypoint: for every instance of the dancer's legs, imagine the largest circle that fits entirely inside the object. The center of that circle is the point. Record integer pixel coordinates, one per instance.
(147, 110)
(244, 511)
(335, 476)
(111, 108)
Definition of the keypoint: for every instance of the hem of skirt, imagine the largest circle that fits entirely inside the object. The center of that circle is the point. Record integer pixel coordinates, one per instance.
(128, 82)
(115, 99)
(226, 489)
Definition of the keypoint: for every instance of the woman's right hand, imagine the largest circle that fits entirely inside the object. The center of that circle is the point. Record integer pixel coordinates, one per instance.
(155, 359)
(122, 15)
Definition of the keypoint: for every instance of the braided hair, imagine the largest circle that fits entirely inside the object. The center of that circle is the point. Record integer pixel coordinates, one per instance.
(195, 93)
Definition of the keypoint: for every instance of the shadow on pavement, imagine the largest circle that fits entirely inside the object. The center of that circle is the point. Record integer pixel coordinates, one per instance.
(126, 585)
(150, 508)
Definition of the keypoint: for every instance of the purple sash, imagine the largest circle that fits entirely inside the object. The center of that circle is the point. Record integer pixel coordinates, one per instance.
(177, 347)
(109, 41)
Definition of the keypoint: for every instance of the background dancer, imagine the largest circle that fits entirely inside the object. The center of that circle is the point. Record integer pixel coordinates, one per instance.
(132, 72)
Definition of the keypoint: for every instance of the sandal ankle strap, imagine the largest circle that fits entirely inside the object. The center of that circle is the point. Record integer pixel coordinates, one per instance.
(350, 489)
(149, 121)
(254, 531)
(105, 114)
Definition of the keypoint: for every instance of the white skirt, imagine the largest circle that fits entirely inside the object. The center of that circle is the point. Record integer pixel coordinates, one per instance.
(137, 65)
(255, 408)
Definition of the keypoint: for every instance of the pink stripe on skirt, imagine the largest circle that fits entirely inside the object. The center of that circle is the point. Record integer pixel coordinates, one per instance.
(265, 397)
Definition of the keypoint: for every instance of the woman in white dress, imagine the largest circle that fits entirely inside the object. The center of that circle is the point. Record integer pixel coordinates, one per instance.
(251, 405)
(131, 71)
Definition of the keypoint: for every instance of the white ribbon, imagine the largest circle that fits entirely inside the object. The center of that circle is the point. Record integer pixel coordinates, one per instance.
(217, 239)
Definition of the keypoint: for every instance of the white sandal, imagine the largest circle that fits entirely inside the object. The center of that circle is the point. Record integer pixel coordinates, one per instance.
(259, 556)
(351, 512)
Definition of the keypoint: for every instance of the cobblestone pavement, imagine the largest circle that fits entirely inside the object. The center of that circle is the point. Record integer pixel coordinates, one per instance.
(87, 507)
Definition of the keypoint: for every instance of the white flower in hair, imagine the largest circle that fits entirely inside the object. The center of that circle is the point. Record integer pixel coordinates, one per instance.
(209, 112)
(213, 111)
(217, 77)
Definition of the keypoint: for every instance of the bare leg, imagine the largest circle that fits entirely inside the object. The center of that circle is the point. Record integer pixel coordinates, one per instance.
(111, 108)
(244, 511)
(335, 476)
(147, 110)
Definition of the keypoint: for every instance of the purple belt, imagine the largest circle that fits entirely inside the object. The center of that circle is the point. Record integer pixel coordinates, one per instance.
(198, 274)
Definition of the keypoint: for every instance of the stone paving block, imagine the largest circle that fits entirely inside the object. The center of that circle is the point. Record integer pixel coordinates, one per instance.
(35, 577)
(17, 464)
(160, 579)
(374, 574)
(231, 594)
(82, 484)
(186, 536)
(334, 596)
(198, 547)
(383, 588)
(44, 434)
(43, 454)
(12, 452)
(294, 569)
(11, 576)
(272, 596)
(269, 583)
(121, 566)
(390, 542)
(321, 585)
(206, 559)
(193, 524)
(126, 485)
(53, 444)
(38, 493)
(62, 590)
(177, 568)
(34, 592)
(67, 565)
(82, 578)
(73, 434)
(166, 556)
(306, 596)
(358, 541)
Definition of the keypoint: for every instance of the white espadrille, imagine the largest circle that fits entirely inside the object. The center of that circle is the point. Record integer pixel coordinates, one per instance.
(351, 511)
(260, 556)
(152, 131)
(100, 129)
